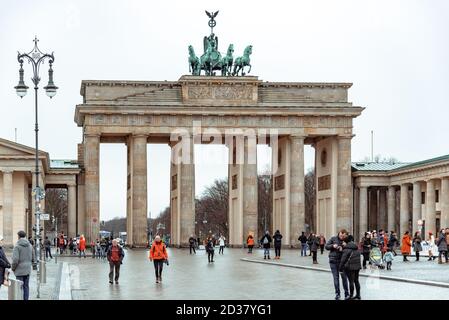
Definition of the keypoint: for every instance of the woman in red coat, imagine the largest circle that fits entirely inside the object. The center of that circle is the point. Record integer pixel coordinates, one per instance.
(82, 246)
(406, 248)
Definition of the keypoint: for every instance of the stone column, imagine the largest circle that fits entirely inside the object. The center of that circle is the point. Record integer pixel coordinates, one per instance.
(430, 207)
(404, 211)
(297, 198)
(373, 209)
(250, 188)
(8, 208)
(363, 209)
(187, 186)
(382, 208)
(416, 205)
(139, 190)
(444, 200)
(71, 219)
(344, 185)
(92, 185)
(391, 207)
(81, 215)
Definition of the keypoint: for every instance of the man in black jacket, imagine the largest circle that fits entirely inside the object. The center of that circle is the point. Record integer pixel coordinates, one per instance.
(350, 265)
(303, 239)
(392, 242)
(4, 263)
(335, 246)
(192, 244)
(266, 241)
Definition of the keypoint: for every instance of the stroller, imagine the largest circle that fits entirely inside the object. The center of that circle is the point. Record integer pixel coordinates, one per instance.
(375, 257)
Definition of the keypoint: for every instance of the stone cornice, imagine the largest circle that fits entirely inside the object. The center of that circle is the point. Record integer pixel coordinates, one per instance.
(82, 110)
(408, 169)
(216, 80)
(63, 171)
(321, 85)
(416, 174)
(203, 80)
(125, 83)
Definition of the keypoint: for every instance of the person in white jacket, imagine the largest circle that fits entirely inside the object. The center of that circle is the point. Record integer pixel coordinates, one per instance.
(432, 246)
(221, 241)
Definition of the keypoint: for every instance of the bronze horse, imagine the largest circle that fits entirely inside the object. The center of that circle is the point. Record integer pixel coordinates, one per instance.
(242, 62)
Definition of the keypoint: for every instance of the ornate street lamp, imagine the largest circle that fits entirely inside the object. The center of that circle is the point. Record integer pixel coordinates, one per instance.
(36, 57)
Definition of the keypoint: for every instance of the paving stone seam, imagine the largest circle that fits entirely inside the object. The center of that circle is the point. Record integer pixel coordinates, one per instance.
(65, 283)
(422, 282)
(57, 288)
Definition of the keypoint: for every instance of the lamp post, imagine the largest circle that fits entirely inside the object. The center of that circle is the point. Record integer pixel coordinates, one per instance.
(62, 196)
(36, 57)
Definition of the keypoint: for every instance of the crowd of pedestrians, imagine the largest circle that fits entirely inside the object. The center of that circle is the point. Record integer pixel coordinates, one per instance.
(346, 256)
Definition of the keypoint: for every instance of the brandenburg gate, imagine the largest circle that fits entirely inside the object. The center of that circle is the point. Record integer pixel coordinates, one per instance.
(239, 112)
(233, 109)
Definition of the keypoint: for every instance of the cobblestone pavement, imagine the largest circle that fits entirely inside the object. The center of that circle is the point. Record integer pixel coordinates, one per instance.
(418, 270)
(192, 277)
(48, 290)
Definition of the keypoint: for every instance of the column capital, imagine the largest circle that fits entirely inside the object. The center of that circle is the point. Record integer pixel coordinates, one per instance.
(92, 135)
(7, 171)
(345, 136)
(298, 136)
(139, 135)
(405, 185)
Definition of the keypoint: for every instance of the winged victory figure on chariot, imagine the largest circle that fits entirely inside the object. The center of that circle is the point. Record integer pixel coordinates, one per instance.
(211, 60)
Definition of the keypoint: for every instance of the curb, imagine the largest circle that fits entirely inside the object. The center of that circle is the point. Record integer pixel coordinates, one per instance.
(415, 281)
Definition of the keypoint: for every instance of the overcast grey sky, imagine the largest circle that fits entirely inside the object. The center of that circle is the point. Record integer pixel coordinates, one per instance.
(395, 52)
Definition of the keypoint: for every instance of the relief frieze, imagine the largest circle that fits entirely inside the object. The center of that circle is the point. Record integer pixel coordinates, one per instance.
(200, 92)
(220, 93)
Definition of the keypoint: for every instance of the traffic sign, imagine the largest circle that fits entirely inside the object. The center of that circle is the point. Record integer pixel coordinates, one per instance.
(45, 216)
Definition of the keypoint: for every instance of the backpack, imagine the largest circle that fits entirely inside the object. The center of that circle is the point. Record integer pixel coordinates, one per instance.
(265, 240)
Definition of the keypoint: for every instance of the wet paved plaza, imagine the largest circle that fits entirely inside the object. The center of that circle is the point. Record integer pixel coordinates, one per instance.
(192, 277)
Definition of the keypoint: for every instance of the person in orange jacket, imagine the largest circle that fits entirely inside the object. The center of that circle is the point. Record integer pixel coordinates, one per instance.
(158, 254)
(82, 246)
(250, 243)
(406, 248)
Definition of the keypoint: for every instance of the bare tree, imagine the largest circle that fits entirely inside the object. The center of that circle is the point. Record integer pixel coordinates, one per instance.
(265, 202)
(115, 226)
(310, 199)
(56, 205)
(164, 218)
(212, 207)
(380, 159)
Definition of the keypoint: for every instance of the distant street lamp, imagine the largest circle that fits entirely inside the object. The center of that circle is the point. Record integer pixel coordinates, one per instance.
(36, 57)
(55, 223)
(160, 226)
